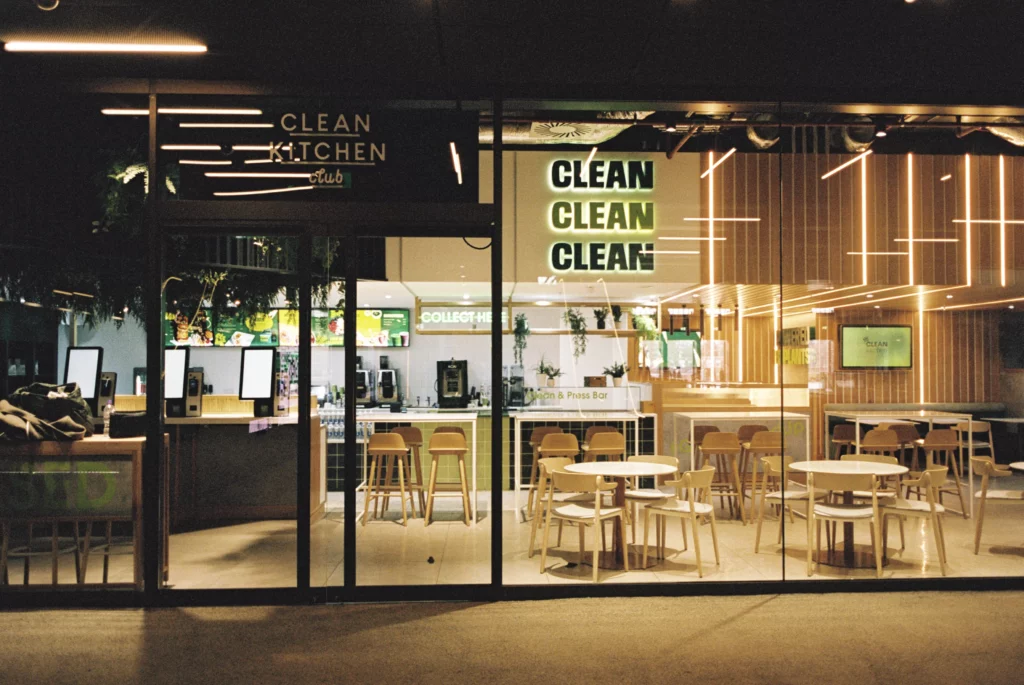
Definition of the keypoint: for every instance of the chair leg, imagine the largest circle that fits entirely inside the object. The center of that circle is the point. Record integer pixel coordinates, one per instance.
(877, 540)
(561, 524)
(85, 549)
(388, 461)
(810, 549)
(696, 544)
(939, 547)
(760, 521)
(682, 526)
(646, 536)
(960, 493)
(370, 483)
(739, 491)
(531, 488)
(817, 541)
(583, 540)
(544, 542)
(597, 551)
(106, 551)
(714, 537)
(981, 517)
(465, 491)
(625, 551)
(401, 487)
(430, 491)
(410, 485)
(903, 538)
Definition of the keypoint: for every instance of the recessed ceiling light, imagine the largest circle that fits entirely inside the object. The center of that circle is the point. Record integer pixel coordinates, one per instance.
(465, 296)
(946, 177)
(387, 297)
(949, 297)
(869, 296)
(878, 306)
(1011, 306)
(542, 303)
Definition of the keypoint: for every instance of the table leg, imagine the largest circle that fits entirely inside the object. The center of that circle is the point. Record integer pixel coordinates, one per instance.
(476, 504)
(618, 544)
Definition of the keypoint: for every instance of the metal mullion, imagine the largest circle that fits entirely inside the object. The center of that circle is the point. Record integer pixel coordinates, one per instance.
(303, 468)
(497, 396)
(351, 263)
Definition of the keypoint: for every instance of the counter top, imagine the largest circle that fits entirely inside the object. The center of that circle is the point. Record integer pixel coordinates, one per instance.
(575, 415)
(230, 420)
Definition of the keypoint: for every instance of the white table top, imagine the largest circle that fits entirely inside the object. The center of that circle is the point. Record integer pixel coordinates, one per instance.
(621, 469)
(741, 415)
(849, 467)
(917, 414)
(878, 422)
(1017, 466)
(1004, 420)
(575, 416)
(415, 417)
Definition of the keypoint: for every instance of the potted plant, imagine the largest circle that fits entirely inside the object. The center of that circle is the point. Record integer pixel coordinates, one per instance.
(600, 315)
(646, 327)
(546, 374)
(616, 371)
(617, 316)
(578, 328)
(521, 331)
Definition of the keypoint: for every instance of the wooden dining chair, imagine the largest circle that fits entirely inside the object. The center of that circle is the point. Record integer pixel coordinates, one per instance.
(988, 469)
(941, 447)
(965, 434)
(536, 438)
(581, 515)
(772, 493)
(888, 486)
(699, 431)
(386, 449)
(881, 441)
(929, 482)
(692, 502)
(447, 444)
(549, 465)
(836, 512)
(844, 435)
(724, 448)
(608, 444)
(637, 496)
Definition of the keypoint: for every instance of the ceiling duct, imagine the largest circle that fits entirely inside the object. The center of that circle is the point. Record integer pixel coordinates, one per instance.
(763, 136)
(605, 127)
(857, 138)
(1011, 134)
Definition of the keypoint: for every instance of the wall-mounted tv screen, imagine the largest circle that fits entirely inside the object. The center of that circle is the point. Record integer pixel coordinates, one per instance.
(382, 328)
(875, 347)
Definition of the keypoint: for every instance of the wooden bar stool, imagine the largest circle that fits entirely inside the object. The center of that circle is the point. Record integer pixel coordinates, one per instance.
(450, 429)
(762, 444)
(413, 438)
(844, 435)
(699, 431)
(594, 430)
(442, 444)
(610, 445)
(725, 448)
(382, 448)
(536, 438)
(745, 435)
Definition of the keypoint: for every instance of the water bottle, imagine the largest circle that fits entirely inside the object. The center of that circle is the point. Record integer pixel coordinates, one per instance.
(107, 411)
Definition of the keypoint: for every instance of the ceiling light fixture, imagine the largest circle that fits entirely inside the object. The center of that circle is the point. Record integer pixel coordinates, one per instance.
(255, 174)
(235, 193)
(846, 164)
(214, 124)
(64, 46)
(542, 303)
(205, 162)
(721, 159)
(114, 111)
(456, 162)
(190, 147)
(880, 131)
(946, 177)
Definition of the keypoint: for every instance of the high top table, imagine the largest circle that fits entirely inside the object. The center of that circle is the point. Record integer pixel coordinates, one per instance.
(851, 556)
(928, 416)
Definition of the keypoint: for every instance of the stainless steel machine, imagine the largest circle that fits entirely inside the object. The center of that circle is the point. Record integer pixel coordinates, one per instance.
(364, 385)
(452, 384)
(387, 383)
(194, 394)
(514, 385)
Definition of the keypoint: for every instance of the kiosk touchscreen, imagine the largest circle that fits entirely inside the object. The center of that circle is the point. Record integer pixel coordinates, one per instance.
(175, 369)
(82, 366)
(257, 380)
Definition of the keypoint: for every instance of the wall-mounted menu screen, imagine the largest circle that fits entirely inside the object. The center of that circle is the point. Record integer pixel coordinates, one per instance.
(175, 370)
(875, 347)
(382, 328)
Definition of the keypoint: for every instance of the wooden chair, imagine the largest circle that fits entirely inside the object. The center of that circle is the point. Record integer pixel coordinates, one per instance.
(835, 511)
(385, 449)
(725, 448)
(930, 481)
(745, 433)
(762, 444)
(549, 465)
(694, 505)
(907, 435)
(447, 444)
(699, 431)
(987, 468)
(942, 442)
(772, 472)
(844, 435)
(964, 432)
(879, 441)
(636, 496)
(607, 444)
(413, 438)
(451, 429)
(581, 515)
(536, 438)
(594, 430)
(889, 488)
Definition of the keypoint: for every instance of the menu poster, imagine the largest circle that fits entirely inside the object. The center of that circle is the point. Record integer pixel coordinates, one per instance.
(258, 330)
(327, 328)
(180, 329)
(382, 328)
(288, 327)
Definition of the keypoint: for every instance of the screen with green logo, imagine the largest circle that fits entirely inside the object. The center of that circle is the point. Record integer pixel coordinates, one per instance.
(875, 347)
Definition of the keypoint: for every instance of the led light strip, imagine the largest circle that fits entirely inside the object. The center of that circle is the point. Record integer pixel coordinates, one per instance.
(880, 254)
(729, 220)
(262, 192)
(711, 218)
(920, 346)
(205, 124)
(114, 111)
(61, 46)
(976, 304)
(713, 163)
(926, 240)
(683, 238)
(205, 162)
(967, 209)
(1002, 222)
(254, 174)
(864, 216)
(190, 147)
(910, 215)
(846, 164)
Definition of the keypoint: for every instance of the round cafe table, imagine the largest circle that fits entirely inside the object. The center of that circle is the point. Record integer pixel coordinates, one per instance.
(1017, 466)
(878, 421)
(851, 556)
(620, 471)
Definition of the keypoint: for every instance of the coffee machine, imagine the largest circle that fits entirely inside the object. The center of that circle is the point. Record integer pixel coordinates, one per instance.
(452, 384)
(514, 385)
(387, 383)
(194, 394)
(364, 386)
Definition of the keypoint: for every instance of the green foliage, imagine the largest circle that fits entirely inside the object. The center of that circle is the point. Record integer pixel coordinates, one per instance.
(547, 369)
(521, 331)
(578, 327)
(616, 313)
(646, 327)
(616, 370)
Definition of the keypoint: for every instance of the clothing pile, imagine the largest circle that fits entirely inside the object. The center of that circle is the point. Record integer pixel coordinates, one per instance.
(42, 411)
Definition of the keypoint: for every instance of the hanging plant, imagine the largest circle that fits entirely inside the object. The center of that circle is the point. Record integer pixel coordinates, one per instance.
(521, 332)
(646, 328)
(578, 328)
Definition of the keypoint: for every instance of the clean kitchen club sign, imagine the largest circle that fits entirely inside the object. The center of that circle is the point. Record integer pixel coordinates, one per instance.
(609, 232)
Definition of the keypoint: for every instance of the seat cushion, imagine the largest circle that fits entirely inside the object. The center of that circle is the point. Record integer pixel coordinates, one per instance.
(794, 493)
(1003, 494)
(680, 506)
(842, 511)
(579, 511)
(648, 494)
(577, 497)
(902, 505)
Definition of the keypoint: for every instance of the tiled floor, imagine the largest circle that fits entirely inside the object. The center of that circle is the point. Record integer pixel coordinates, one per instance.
(261, 554)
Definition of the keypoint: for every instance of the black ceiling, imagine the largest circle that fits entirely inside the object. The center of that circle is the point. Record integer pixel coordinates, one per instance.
(890, 51)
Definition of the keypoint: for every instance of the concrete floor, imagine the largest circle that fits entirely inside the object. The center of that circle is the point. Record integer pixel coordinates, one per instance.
(889, 638)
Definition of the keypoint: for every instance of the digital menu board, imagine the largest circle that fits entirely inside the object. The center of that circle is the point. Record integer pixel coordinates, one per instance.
(382, 328)
(875, 347)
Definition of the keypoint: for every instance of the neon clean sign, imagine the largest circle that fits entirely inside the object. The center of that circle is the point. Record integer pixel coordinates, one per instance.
(599, 219)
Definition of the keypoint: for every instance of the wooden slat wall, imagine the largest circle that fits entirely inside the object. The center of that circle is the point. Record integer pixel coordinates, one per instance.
(820, 221)
(961, 363)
